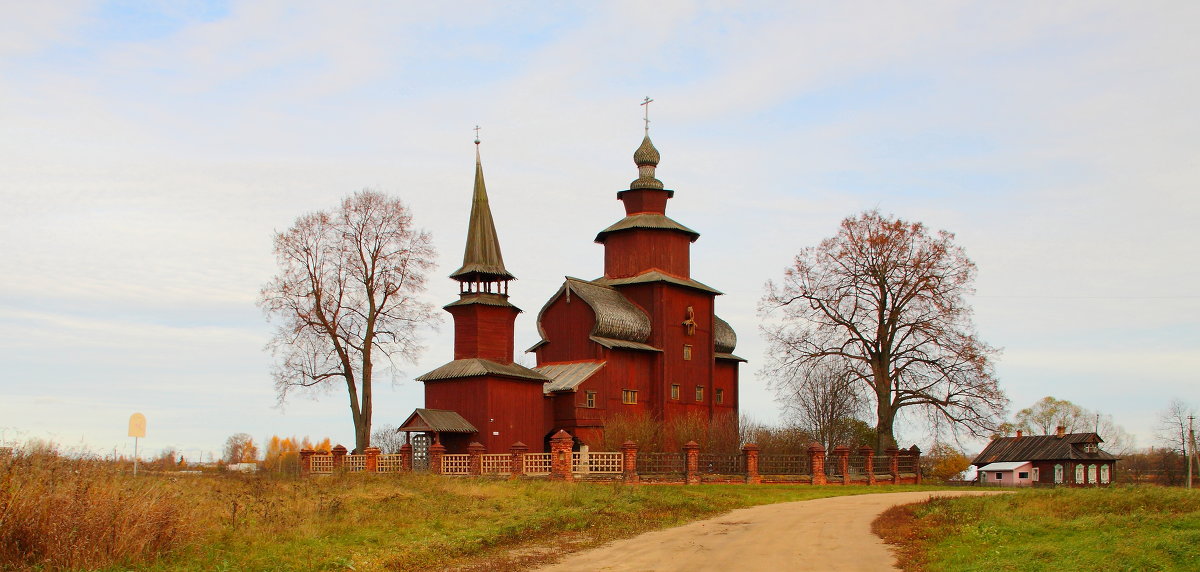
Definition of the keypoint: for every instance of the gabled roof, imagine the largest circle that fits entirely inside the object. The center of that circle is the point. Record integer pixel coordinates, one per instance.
(647, 220)
(1069, 447)
(437, 420)
(474, 367)
(568, 376)
(616, 317)
(656, 276)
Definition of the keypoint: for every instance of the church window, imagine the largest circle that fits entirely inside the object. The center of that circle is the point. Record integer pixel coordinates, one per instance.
(687, 352)
(629, 396)
(720, 396)
(590, 398)
(699, 393)
(675, 391)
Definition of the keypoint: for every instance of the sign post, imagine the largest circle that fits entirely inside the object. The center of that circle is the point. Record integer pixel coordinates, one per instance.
(137, 428)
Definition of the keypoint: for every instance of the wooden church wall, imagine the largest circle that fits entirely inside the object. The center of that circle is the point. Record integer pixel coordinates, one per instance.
(484, 331)
(632, 252)
(568, 324)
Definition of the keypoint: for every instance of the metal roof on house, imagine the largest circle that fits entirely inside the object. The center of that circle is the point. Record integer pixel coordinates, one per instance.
(1007, 466)
(568, 376)
(437, 420)
(474, 367)
(647, 220)
(656, 276)
(1041, 448)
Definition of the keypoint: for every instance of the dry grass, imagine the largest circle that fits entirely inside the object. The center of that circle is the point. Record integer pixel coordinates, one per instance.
(63, 513)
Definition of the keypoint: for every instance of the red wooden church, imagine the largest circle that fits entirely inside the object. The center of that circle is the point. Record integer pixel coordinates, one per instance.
(643, 339)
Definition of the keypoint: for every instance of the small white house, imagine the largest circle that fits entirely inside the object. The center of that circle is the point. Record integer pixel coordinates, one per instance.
(1007, 474)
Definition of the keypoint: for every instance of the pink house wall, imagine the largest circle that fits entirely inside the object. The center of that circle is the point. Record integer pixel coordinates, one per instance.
(1010, 478)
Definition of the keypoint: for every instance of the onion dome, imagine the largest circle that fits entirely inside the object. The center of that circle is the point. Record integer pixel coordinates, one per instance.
(646, 157)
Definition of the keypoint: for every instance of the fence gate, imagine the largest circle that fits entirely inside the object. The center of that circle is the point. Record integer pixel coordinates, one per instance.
(420, 445)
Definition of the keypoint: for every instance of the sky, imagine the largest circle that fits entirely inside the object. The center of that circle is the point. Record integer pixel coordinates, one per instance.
(149, 151)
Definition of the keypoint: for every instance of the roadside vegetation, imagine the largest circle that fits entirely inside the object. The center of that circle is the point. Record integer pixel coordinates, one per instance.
(1119, 528)
(66, 513)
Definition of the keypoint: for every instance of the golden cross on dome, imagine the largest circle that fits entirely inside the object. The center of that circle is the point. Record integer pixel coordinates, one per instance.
(646, 103)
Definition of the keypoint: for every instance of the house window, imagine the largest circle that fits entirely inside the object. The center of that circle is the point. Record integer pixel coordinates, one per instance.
(1104, 474)
(687, 352)
(1058, 473)
(1091, 448)
(1022, 475)
(1036, 476)
(699, 393)
(590, 399)
(675, 391)
(720, 396)
(1079, 474)
(1092, 474)
(999, 476)
(629, 396)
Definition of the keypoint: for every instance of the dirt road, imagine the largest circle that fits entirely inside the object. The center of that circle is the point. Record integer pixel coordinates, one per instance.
(829, 534)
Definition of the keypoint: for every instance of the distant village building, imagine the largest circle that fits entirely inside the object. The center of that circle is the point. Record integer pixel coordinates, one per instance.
(1064, 459)
(644, 339)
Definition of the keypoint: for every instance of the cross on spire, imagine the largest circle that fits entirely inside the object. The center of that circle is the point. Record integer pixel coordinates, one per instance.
(646, 103)
(476, 134)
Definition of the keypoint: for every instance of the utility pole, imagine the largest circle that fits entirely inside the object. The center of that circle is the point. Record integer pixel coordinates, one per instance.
(1191, 446)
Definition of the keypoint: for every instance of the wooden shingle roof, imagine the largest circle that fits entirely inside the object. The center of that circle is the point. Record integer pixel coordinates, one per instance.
(647, 220)
(481, 257)
(1041, 448)
(436, 420)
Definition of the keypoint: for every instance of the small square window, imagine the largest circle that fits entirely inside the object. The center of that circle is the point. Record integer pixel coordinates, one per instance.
(720, 396)
(629, 396)
(699, 393)
(590, 399)
(1022, 475)
(999, 476)
(675, 391)
(687, 352)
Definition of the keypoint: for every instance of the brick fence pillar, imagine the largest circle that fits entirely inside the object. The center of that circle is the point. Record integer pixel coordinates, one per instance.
(629, 462)
(868, 463)
(406, 456)
(560, 456)
(516, 467)
(339, 458)
(475, 459)
(691, 454)
(306, 462)
(372, 454)
(894, 463)
(750, 450)
(841, 456)
(816, 458)
(916, 455)
(436, 450)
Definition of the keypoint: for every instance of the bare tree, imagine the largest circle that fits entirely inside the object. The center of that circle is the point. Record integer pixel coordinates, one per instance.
(1172, 427)
(387, 439)
(240, 448)
(883, 300)
(823, 402)
(345, 299)
(1045, 416)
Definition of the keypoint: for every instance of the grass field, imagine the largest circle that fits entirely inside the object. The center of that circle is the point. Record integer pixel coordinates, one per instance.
(1120, 528)
(60, 513)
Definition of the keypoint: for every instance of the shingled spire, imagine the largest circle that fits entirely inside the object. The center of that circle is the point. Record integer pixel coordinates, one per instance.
(482, 262)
